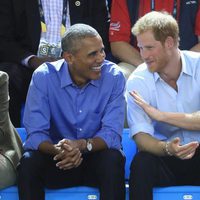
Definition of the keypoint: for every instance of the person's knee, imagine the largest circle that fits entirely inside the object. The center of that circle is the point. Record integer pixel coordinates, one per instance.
(7, 173)
(7, 179)
(30, 163)
(113, 162)
(142, 163)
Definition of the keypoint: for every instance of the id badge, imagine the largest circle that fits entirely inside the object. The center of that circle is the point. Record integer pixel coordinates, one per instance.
(51, 50)
(43, 48)
(54, 51)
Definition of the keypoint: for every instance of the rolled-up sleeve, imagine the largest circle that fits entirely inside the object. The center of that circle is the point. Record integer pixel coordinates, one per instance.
(138, 120)
(113, 118)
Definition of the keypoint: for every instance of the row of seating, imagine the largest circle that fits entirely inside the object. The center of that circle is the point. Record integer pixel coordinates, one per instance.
(88, 193)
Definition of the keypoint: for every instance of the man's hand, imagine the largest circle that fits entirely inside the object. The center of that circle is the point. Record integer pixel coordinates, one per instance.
(70, 155)
(35, 61)
(183, 152)
(151, 111)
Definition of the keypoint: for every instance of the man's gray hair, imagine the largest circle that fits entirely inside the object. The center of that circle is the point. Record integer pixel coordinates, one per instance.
(71, 40)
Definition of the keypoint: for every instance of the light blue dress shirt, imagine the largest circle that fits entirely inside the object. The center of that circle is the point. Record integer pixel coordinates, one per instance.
(159, 94)
(56, 108)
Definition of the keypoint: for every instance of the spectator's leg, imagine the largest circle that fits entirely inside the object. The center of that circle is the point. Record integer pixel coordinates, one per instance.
(38, 171)
(105, 169)
(126, 68)
(7, 172)
(31, 176)
(148, 171)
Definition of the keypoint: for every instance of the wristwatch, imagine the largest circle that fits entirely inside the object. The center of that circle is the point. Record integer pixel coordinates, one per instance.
(89, 145)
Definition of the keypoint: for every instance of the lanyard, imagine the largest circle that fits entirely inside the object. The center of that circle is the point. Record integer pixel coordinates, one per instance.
(174, 12)
(64, 16)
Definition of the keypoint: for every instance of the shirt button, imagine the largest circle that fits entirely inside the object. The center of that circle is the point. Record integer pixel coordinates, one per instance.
(80, 111)
(80, 129)
(77, 3)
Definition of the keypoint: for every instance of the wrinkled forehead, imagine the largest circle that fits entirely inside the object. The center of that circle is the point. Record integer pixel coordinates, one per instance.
(88, 42)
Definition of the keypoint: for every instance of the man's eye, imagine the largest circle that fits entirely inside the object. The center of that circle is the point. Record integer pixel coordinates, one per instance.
(102, 50)
(93, 54)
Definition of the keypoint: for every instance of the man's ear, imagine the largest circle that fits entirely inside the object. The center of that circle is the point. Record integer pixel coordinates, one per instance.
(169, 42)
(68, 57)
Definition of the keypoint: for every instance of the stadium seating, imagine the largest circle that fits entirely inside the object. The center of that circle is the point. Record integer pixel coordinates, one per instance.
(75, 193)
(88, 193)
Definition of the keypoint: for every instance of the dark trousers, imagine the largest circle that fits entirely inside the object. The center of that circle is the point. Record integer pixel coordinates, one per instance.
(148, 171)
(19, 79)
(103, 169)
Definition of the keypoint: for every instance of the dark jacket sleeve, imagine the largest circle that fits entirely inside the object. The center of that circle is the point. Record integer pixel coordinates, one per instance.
(15, 39)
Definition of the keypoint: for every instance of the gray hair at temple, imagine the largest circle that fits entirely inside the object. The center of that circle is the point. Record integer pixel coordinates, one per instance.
(162, 24)
(71, 41)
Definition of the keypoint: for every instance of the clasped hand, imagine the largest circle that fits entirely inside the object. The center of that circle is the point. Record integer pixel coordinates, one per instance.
(69, 155)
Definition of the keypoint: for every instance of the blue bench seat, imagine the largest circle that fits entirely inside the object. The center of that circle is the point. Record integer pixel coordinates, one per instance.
(177, 193)
(89, 193)
(75, 193)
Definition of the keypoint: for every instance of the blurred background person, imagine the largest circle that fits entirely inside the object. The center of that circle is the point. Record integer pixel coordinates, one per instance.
(10, 143)
(123, 43)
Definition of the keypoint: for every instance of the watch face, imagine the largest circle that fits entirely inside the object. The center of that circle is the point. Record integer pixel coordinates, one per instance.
(89, 146)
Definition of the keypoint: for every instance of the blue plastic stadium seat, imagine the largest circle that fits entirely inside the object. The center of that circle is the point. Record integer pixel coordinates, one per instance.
(177, 193)
(129, 149)
(22, 133)
(75, 193)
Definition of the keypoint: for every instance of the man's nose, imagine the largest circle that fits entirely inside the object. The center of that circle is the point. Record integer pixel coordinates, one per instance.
(144, 54)
(101, 56)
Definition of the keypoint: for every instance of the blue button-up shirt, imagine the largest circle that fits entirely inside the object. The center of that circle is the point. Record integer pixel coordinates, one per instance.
(159, 94)
(56, 108)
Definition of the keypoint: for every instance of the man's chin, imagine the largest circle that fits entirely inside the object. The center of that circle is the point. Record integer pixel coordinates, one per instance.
(96, 75)
(152, 68)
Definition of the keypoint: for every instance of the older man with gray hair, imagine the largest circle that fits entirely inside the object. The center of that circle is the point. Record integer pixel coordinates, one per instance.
(74, 116)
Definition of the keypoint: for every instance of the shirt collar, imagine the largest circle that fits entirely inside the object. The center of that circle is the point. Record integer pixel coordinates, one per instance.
(65, 77)
(185, 69)
(62, 68)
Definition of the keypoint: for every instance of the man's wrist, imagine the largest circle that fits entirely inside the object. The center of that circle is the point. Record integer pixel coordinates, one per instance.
(168, 153)
(82, 145)
(25, 61)
(86, 145)
(89, 145)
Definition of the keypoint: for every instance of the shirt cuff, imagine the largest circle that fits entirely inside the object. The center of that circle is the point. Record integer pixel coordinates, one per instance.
(25, 61)
(141, 127)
